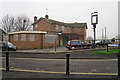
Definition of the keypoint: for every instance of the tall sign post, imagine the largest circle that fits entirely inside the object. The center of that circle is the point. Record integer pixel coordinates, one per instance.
(94, 21)
(7, 53)
(119, 44)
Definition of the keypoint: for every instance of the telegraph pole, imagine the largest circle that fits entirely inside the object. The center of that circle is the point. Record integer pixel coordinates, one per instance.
(105, 33)
(102, 34)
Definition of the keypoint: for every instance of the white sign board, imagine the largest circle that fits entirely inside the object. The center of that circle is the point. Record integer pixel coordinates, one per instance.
(113, 45)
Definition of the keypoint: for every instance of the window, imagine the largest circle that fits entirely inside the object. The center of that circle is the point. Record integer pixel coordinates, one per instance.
(56, 27)
(15, 37)
(23, 37)
(32, 37)
(63, 27)
(36, 26)
(50, 38)
(74, 42)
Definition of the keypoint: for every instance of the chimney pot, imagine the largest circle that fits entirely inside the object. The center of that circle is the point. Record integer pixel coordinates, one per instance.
(35, 18)
(46, 16)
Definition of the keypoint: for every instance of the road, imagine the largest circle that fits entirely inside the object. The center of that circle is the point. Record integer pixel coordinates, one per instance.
(58, 65)
(42, 65)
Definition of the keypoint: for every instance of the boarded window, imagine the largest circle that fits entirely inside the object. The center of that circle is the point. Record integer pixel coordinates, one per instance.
(36, 25)
(15, 37)
(23, 37)
(63, 27)
(56, 27)
(50, 38)
(32, 37)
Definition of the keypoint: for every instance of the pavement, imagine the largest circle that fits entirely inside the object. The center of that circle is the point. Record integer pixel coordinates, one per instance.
(47, 50)
(61, 49)
(61, 52)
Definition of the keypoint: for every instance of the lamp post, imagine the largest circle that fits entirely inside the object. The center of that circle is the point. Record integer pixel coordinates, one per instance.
(59, 34)
(94, 21)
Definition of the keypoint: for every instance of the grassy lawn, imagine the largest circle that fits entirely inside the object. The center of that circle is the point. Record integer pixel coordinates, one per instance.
(111, 51)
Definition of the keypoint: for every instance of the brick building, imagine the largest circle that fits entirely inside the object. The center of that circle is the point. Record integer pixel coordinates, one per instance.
(27, 39)
(68, 31)
(48, 33)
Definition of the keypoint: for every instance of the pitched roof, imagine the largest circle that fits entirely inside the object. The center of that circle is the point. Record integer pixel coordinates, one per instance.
(62, 23)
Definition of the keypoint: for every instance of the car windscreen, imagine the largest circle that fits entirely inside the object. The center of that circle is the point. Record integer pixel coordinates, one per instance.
(10, 44)
(75, 42)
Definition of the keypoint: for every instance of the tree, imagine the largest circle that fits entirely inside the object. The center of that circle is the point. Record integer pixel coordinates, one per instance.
(20, 23)
(7, 23)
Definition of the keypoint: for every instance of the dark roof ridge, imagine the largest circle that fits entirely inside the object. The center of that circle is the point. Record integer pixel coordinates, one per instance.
(62, 23)
(54, 20)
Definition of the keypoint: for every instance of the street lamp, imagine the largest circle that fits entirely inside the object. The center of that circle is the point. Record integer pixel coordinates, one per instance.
(59, 34)
(94, 21)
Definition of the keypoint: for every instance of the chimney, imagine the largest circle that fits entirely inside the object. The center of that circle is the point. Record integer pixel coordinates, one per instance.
(35, 18)
(46, 16)
(75, 22)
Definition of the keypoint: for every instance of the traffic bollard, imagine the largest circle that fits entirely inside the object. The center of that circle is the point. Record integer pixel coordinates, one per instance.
(107, 48)
(67, 64)
(7, 61)
(55, 46)
(118, 65)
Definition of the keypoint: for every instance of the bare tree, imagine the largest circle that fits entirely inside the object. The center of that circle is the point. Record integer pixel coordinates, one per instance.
(7, 23)
(20, 23)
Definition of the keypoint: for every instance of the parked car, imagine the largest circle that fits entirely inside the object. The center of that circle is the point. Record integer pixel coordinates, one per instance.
(7, 45)
(78, 44)
(102, 42)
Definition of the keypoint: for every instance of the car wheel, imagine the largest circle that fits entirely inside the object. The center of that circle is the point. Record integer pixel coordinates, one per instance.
(97, 45)
(73, 48)
(68, 48)
(14, 50)
(90, 47)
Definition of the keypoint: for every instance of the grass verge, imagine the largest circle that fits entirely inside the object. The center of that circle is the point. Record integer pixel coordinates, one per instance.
(111, 51)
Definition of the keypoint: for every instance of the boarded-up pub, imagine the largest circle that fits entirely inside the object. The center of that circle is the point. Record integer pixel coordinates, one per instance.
(27, 39)
(33, 39)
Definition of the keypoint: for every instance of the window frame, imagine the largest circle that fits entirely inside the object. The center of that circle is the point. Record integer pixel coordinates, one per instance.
(23, 38)
(15, 37)
(31, 37)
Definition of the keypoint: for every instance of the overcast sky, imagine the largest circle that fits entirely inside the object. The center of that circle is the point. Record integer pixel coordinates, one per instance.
(68, 11)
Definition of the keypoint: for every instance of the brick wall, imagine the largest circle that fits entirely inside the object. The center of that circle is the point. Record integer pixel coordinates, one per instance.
(45, 26)
(48, 45)
(81, 31)
(27, 44)
(78, 30)
(67, 30)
